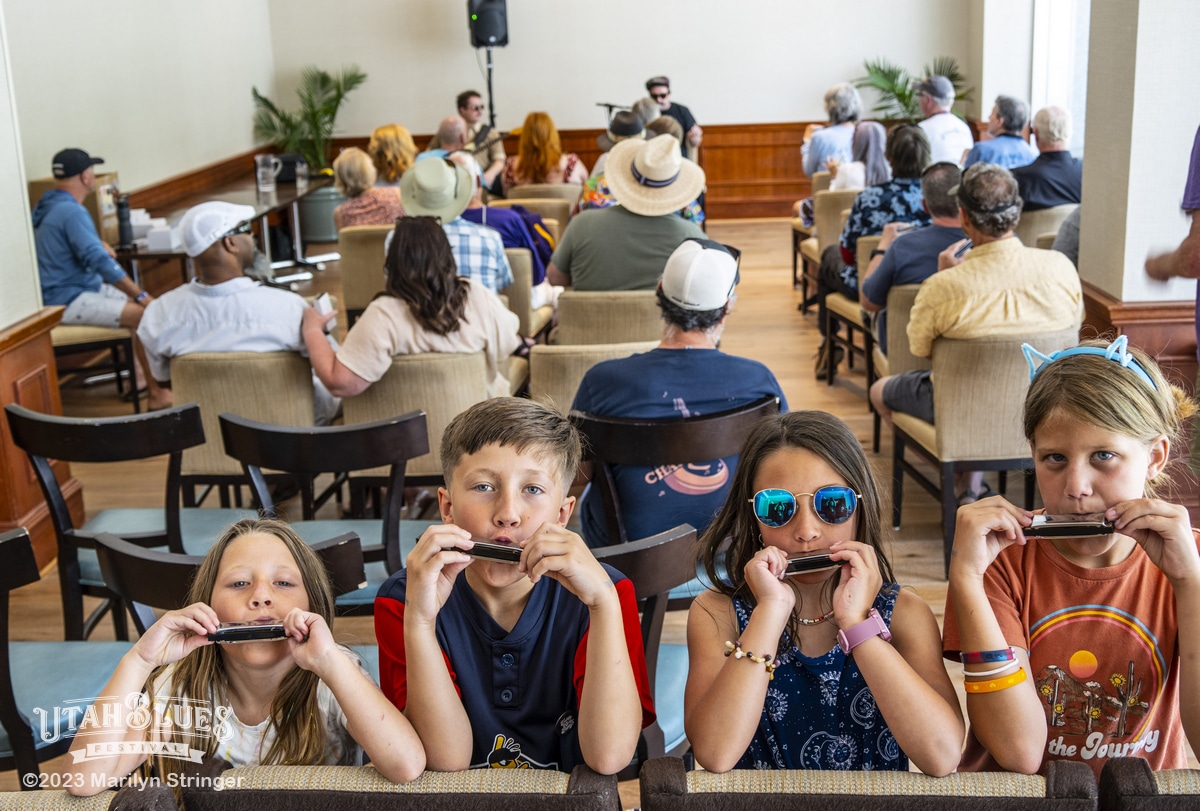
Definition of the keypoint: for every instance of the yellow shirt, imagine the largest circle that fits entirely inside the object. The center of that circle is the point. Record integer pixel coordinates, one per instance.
(1003, 288)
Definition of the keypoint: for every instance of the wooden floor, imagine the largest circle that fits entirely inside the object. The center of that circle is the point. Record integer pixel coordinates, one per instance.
(764, 325)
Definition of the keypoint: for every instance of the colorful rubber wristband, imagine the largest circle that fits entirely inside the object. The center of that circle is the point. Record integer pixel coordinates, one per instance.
(995, 685)
(987, 657)
(996, 671)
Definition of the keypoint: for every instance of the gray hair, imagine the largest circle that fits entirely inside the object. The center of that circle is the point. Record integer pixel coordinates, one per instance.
(1013, 113)
(1053, 125)
(646, 109)
(842, 103)
(989, 197)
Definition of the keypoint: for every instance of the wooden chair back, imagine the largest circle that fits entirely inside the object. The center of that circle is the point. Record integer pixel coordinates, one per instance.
(607, 317)
(1044, 221)
(655, 565)
(309, 451)
(650, 443)
(271, 387)
(555, 371)
(361, 248)
(441, 385)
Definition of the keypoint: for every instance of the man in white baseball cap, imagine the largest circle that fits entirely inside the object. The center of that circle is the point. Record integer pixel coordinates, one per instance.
(222, 309)
(685, 375)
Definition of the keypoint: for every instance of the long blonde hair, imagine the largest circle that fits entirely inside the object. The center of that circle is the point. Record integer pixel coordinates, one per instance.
(392, 150)
(200, 676)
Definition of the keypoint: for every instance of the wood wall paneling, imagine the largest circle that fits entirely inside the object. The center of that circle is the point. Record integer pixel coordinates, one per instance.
(28, 378)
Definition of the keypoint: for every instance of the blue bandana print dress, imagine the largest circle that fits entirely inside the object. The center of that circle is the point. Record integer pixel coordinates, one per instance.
(819, 712)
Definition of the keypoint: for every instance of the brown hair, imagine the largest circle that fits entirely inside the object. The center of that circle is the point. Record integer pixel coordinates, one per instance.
(421, 272)
(1103, 393)
(539, 150)
(517, 423)
(735, 530)
(392, 149)
(908, 151)
(200, 676)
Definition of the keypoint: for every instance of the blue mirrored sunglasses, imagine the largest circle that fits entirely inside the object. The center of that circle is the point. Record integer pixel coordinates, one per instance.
(833, 505)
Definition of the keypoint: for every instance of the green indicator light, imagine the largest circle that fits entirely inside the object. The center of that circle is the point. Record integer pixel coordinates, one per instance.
(474, 16)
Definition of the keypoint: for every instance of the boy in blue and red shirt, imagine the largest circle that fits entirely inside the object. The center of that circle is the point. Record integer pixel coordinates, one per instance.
(537, 664)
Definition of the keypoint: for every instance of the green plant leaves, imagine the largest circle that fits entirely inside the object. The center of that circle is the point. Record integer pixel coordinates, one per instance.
(894, 84)
(310, 130)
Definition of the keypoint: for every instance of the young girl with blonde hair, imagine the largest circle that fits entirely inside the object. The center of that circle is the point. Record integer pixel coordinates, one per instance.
(301, 700)
(1083, 648)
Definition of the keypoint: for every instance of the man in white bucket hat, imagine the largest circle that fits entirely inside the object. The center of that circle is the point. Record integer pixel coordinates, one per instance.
(626, 246)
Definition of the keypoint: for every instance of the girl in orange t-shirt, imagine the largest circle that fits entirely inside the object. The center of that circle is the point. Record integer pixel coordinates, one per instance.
(1082, 648)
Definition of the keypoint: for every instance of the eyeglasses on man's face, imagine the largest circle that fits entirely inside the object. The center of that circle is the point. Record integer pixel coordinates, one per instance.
(660, 96)
(244, 228)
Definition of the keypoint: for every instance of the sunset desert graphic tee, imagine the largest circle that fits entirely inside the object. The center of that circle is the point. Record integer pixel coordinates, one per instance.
(1103, 653)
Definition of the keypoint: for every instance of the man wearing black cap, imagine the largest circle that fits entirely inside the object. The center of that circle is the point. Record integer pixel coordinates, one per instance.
(76, 268)
(659, 89)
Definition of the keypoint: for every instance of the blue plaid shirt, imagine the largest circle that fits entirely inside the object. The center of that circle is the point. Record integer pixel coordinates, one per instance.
(479, 254)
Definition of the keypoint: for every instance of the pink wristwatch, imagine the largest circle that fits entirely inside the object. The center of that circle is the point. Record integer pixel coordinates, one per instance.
(873, 625)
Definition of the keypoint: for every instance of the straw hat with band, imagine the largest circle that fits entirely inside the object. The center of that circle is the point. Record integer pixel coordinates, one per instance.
(651, 178)
(436, 187)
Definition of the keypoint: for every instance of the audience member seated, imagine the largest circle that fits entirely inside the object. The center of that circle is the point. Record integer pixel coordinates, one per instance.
(1055, 178)
(79, 270)
(368, 204)
(536, 666)
(912, 257)
(443, 189)
(795, 672)
(451, 136)
(685, 376)
(869, 167)
(624, 125)
(427, 307)
(222, 309)
(999, 288)
(949, 136)
(651, 181)
(1007, 146)
(301, 700)
(659, 88)
(484, 144)
(540, 158)
(597, 194)
(516, 227)
(392, 151)
(897, 200)
(821, 144)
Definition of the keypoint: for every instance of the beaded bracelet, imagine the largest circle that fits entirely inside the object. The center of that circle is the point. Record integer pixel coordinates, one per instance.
(995, 685)
(983, 674)
(986, 657)
(735, 649)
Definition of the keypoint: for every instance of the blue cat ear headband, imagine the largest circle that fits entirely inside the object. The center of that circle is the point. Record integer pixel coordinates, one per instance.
(1118, 350)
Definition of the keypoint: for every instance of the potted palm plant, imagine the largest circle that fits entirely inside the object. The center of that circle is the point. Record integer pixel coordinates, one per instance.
(309, 132)
(894, 84)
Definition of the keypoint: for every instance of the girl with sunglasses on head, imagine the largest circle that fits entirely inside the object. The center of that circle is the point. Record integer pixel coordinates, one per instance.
(830, 669)
(1087, 645)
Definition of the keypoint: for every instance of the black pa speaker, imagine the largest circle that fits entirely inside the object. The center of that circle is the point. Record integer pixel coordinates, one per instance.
(488, 21)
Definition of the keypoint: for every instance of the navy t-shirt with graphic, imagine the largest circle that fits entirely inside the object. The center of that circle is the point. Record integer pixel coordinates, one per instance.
(664, 383)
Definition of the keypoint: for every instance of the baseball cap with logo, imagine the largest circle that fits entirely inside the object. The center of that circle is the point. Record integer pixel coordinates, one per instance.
(204, 224)
(700, 275)
(71, 162)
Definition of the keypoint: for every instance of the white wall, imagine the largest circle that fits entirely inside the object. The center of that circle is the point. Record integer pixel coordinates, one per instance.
(18, 272)
(156, 87)
(765, 61)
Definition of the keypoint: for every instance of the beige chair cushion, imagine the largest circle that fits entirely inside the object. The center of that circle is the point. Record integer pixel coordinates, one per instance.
(810, 249)
(821, 181)
(1045, 221)
(882, 369)
(71, 335)
(899, 308)
(805, 231)
(845, 308)
(556, 371)
(520, 293)
(862, 253)
(782, 782)
(827, 215)
(605, 317)
(271, 387)
(1046, 241)
(561, 191)
(518, 373)
(442, 384)
(361, 247)
(548, 208)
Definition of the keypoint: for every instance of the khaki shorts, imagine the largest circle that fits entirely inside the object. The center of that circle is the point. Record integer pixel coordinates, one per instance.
(101, 309)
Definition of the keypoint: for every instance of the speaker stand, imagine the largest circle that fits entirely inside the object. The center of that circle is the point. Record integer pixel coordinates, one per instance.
(491, 102)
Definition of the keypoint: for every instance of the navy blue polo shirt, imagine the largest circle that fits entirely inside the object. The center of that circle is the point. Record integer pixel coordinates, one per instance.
(1054, 179)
